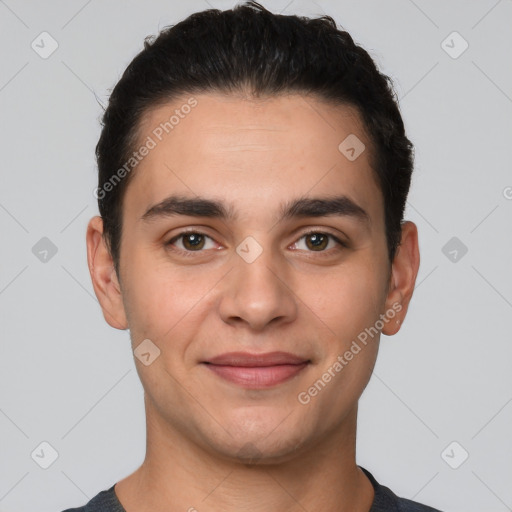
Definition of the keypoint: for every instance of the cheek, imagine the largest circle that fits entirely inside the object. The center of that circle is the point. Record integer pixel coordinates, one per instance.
(163, 303)
(346, 300)
(348, 303)
(154, 298)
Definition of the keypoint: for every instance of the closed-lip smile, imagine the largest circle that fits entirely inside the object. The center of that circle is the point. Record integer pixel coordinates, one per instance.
(256, 371)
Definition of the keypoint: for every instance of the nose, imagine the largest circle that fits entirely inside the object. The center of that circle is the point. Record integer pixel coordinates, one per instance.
(257, 294)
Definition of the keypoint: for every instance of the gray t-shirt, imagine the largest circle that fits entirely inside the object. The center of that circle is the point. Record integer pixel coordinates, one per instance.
(385, 500)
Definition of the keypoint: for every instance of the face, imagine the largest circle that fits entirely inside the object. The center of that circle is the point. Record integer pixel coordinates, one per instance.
(254, 259)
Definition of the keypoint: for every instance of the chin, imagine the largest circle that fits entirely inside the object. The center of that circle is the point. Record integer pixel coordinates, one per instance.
(263, 453)
(273, 441)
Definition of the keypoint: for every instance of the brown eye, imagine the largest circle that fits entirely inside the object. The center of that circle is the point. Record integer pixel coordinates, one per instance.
(317, 241)
(190, 241)
(193, 241)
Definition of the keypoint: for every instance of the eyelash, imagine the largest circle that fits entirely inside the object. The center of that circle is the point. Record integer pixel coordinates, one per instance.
(311, 232)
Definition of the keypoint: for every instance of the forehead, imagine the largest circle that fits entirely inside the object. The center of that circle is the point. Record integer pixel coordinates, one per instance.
(252, 152)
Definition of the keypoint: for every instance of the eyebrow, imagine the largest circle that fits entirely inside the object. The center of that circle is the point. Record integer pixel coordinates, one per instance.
(297, 208)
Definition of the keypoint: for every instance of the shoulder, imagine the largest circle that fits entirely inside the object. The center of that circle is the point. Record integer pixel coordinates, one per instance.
(104, 501)
(405, 505)
(386, 500)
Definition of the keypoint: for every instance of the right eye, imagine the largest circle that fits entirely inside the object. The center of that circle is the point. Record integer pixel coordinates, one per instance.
(191, 241)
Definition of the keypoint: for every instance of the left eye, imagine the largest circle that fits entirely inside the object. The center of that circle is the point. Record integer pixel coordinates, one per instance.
(317, 241)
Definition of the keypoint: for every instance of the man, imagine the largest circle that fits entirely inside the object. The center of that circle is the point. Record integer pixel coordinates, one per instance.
(253, 173)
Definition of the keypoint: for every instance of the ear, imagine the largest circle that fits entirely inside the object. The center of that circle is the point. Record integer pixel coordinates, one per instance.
(103, 275)
(404, 270)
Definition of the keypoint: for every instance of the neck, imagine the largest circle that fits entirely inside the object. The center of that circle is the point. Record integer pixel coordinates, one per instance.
(177, 475)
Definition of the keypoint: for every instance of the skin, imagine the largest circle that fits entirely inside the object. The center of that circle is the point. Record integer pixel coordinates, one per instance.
(211, 444)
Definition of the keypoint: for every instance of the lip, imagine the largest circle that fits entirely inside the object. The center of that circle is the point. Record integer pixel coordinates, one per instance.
(256, 371)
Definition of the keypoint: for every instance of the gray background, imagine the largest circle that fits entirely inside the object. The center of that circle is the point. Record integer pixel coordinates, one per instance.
(69, 379)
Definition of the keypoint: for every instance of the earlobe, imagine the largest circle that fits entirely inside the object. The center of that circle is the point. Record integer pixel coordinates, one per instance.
(404, 271)
(104, 279)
